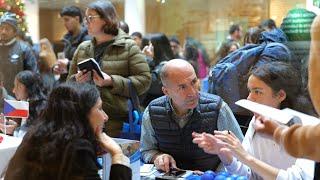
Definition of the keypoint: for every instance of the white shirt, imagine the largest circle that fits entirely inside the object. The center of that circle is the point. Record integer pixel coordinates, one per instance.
(271, 153)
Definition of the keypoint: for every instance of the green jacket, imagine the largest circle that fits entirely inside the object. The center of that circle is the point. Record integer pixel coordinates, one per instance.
(123, 61)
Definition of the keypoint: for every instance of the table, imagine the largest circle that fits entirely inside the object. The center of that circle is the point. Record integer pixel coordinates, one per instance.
(8, 147)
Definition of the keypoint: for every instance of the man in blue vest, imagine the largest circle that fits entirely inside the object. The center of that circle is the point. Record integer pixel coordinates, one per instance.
(168, 122)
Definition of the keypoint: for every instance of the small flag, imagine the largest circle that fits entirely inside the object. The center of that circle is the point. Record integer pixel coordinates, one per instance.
(16, 109)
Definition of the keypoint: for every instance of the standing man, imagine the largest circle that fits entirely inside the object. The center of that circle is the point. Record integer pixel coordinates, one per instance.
(168, 122)
(235, 34)
(137, 37)
(15, 55)
(77, 33)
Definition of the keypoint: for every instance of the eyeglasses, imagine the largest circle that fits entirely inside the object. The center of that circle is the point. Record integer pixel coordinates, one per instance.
(89, 19)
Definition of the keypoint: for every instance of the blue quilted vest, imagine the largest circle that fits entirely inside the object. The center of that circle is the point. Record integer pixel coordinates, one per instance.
(178, 142)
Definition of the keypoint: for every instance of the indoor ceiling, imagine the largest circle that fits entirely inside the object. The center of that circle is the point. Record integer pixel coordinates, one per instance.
(58, 4)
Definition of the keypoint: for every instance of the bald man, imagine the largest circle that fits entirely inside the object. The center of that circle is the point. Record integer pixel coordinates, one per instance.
(168, 122)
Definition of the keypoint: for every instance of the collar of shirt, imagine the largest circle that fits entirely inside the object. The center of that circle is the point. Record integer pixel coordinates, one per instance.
(180, 120)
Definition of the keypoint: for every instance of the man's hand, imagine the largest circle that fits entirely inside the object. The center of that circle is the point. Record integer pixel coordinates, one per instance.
(164, 162)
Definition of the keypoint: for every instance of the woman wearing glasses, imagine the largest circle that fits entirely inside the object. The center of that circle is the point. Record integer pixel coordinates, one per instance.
(120, 60)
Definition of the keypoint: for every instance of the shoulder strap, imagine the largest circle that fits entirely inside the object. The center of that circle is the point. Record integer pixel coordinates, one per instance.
(134, 96)
(133, 107)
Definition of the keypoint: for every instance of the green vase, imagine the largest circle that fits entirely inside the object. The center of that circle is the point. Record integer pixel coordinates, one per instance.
(296, 25)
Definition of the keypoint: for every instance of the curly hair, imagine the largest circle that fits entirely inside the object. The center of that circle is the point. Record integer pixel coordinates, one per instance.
(37, 94)
(64, 120)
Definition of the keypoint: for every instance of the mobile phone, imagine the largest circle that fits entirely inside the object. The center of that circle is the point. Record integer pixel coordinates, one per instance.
(174, 173)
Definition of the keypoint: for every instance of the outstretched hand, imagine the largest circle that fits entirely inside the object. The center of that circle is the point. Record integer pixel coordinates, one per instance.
(208, 142)
(232, 143)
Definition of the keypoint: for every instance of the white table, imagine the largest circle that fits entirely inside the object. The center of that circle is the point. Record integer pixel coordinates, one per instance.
(8, 147)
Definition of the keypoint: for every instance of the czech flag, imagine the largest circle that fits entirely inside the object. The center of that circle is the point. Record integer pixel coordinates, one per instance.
(16, 109)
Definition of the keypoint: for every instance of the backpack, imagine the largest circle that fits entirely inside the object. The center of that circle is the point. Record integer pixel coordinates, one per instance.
(228, 78)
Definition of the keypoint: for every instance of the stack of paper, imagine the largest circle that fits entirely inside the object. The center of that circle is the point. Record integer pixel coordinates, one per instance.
(282, 116)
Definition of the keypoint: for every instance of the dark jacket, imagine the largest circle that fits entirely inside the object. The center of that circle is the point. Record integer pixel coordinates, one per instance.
(123, 61)
(177, 141)
(79, 161)
(71, 43)
(16, 57)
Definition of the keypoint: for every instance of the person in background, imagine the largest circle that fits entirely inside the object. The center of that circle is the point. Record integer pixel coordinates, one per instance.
(15, 55)
(301, 141)
(66, 142)
(137, 37)
(225, 49)
(176, 47)
(274, 84)
(268, 24)
(253, 36)
(119, 58)
(202, 61)
(235, 34)
(3, 93)
(157, 50)
(124, 26)
(27, 87)
(47, 61)
(77, 33)
(191, 54)
(168, 121)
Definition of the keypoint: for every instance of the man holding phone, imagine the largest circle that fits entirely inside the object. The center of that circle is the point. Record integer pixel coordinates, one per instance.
(168, 121)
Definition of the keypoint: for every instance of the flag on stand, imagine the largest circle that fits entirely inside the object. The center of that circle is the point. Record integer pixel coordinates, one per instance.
(16, 109)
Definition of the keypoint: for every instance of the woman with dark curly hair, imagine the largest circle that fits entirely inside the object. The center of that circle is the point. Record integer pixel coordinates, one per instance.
(64, 145)
(27, 87)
